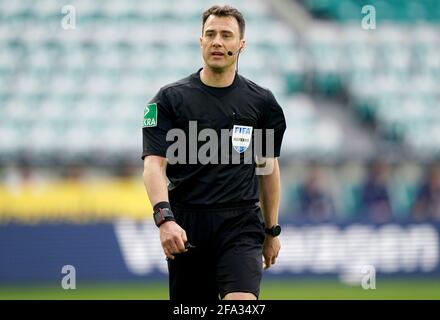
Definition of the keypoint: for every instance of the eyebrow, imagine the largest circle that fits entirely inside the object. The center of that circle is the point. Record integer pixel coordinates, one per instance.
(221, 31)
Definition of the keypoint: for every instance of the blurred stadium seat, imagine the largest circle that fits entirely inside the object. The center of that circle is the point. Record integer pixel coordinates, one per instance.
(115, 60)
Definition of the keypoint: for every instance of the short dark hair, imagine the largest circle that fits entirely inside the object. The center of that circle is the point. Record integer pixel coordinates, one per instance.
(225, 11)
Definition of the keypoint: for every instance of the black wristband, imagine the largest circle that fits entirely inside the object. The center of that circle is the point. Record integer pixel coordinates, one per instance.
(161, 205)
(162, 213)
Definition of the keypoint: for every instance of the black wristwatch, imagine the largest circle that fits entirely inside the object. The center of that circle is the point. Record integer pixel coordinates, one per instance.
(274, 231)
(162, 213)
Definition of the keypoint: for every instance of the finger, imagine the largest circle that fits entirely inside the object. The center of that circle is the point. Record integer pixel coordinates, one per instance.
(180, 245)
(169, 247)
(172, 247)
(267, 263)
(273, 260)
(184, 238)
(168, 254)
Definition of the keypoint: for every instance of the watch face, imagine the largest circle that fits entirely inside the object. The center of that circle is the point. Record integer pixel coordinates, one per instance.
(276, 230)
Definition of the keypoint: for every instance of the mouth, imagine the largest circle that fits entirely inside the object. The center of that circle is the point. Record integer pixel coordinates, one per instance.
(217, 54)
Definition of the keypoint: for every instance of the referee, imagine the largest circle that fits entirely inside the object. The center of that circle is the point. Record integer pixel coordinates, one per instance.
(216, 220)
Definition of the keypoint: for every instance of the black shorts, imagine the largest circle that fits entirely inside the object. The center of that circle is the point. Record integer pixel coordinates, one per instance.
(227, 257)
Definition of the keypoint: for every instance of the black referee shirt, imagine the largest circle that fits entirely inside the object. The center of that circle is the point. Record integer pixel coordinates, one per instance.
(242, 106)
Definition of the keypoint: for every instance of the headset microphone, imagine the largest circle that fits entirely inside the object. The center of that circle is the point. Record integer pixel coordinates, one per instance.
(230, 53)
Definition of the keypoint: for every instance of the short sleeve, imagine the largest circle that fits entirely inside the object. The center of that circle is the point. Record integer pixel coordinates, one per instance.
(157, 121)
(272, 118)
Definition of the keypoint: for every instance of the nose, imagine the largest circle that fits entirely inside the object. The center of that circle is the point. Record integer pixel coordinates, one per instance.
(216, 42)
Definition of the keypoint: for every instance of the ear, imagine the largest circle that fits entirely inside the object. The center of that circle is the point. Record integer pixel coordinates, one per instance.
(200, 41)
(242, 45)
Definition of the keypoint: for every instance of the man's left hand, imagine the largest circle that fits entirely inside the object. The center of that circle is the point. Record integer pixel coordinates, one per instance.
(271, 248)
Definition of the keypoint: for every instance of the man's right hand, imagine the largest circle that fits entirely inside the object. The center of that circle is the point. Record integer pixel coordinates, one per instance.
(172, 239)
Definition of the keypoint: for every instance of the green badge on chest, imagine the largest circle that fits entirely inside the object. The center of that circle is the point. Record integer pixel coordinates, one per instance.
(150, 115)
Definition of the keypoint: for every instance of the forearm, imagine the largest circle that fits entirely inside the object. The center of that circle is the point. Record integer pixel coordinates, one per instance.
(270, 190)
(155, 182)
(172, 236)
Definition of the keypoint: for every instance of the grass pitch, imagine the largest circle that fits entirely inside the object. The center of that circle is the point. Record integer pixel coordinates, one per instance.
(270, 289)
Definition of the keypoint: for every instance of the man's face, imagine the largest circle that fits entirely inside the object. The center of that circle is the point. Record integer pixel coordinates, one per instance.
(220, 35)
